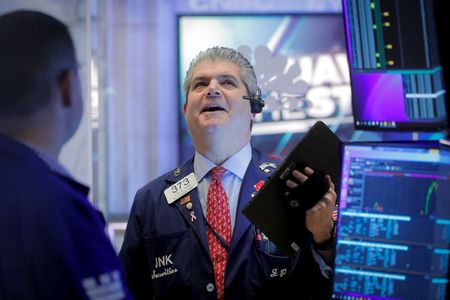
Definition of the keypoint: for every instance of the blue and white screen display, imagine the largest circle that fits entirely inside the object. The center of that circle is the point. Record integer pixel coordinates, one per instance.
(301, 64)
(393, 237)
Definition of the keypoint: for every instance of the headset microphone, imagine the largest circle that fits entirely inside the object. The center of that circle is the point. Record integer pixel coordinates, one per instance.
(256, 102)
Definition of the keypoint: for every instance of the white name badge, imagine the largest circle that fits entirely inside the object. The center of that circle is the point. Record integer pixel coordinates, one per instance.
(181, 188)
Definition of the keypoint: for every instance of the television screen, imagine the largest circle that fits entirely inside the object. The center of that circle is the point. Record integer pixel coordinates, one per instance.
(301, 64)
(397, 77)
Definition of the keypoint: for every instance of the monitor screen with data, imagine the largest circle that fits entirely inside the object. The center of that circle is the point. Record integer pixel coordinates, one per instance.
(393, 228)
(397, 75)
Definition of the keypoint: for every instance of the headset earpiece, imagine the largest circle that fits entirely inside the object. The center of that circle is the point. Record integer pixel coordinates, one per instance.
(256, 102)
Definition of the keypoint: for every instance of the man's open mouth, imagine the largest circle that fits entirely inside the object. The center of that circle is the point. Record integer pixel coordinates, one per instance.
(213, 108)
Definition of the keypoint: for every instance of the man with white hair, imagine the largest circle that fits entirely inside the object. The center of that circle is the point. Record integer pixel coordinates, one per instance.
(186, 237)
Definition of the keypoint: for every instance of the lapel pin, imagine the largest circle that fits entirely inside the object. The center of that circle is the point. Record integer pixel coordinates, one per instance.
(259, 185)
(193, 217)
(189, 205)
(265, 165)
(177, 172)
(185, 200)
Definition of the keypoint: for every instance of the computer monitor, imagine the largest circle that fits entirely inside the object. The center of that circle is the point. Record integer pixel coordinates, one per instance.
(397, 74)
(393, 228)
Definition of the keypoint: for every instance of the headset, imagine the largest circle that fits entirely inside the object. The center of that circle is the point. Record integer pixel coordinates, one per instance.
(256, 102)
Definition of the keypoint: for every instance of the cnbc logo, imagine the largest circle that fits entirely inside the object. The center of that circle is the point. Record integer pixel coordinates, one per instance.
(299, 90)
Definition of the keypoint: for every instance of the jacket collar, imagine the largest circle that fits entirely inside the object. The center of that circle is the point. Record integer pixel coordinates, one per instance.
(180, 172)
(18, 150)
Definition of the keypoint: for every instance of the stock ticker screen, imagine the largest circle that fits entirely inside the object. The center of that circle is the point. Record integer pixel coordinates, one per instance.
(397, 74)
(394, 222)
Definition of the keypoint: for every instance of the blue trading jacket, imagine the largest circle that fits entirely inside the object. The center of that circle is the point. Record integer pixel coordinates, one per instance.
(52, 240)
(166, 256)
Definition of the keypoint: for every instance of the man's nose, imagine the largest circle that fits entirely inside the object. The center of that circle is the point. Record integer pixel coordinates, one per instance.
(213, 90)
(213, 93)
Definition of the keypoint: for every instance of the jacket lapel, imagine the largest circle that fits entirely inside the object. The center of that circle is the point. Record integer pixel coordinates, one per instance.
(253, 175)
(189, 205)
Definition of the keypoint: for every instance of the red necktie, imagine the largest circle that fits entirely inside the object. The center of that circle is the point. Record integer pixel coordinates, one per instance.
(218, 217)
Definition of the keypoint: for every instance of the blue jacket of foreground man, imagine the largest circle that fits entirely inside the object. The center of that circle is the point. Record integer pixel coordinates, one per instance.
(54, 244)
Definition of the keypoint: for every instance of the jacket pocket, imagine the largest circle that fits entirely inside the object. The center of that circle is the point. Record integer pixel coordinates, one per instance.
(274, 264)
(169, 257)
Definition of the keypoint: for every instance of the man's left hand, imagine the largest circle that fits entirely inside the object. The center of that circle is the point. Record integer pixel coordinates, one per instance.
(319, 219)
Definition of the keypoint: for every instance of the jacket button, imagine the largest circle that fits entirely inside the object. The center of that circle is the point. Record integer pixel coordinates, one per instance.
(210, 287)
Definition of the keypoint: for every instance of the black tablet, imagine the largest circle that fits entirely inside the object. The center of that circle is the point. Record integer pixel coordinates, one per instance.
(320, 150)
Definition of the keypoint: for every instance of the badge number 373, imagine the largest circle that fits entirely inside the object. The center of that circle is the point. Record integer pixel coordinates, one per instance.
(180, 188)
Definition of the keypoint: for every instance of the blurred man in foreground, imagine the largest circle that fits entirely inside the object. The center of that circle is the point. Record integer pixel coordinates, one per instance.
(53, 241)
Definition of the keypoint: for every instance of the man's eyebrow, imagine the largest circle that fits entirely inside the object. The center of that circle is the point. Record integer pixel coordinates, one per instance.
(228, 76)
(199, 78)
(220, 76)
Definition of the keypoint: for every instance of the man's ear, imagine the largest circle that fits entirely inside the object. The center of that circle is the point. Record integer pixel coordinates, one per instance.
(65, 87)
